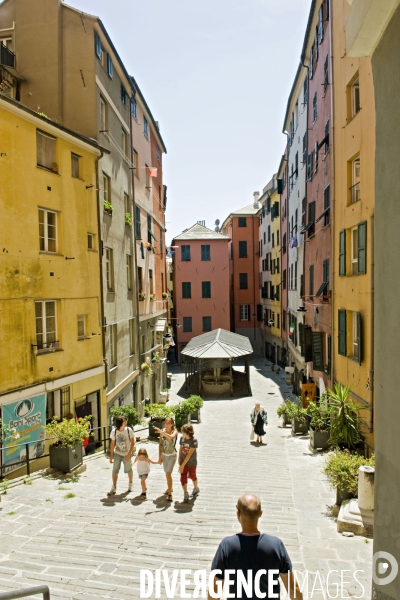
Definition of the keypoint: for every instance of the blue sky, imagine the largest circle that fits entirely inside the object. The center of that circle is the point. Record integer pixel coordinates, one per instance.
(216, 75)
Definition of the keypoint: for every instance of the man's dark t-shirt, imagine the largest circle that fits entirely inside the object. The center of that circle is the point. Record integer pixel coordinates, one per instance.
(252, 552)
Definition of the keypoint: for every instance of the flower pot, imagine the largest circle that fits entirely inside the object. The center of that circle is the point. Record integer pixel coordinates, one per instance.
(286, 421)
(299, 426)
(342, 495)
(108, 211)
(152, 424)
(195, 416)
(163, 398)
(65, 459)
(319, 439)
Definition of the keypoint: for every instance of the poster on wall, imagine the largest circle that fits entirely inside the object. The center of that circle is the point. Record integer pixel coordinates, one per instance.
(23, 422)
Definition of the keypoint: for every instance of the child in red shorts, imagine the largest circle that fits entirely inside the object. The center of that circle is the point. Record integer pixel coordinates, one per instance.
(188, 461)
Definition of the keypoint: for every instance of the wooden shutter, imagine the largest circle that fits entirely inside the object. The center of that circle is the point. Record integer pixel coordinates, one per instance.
(342, 252)
(311, 284)
(342, 333)
(301, 336)
(359, 337)
(362, 248)
(317, 356)
(308, 344)
(329, 344)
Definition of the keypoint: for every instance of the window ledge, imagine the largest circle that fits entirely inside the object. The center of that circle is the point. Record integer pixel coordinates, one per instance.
(82, 339)
(113, 368)
(51, 253)
(42, 352)
(48, 170)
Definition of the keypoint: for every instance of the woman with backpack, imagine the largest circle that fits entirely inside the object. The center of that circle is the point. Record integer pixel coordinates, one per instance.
(258, 418)
(167, 452)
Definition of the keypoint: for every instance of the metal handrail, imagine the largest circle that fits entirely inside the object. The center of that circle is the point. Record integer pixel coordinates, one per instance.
(40, 589)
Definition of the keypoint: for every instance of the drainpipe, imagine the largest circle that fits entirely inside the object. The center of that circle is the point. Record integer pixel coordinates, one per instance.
(372, 324)
(332, 213)
(136, 300)
(101, 248)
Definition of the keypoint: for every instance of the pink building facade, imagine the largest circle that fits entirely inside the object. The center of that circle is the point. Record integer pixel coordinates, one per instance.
(201, 283)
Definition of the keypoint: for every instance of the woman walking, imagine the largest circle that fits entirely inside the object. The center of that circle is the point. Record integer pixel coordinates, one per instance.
(167, 453)
(259, 418)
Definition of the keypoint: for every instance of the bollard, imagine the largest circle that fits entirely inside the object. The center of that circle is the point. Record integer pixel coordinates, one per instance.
(366, 477)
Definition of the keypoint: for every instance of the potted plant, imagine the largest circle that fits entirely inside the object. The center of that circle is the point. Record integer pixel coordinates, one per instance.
(152, 297)
(156, 357)
(108, 207)
(128, 411)
(147, 370)
(66, 452)
(54, 167)
(195, 404)
(128, 219)
(157, 413)
(285, 410)
(164, 395)
(300, 419)
(345, 423)
(341, 469)
(181, 413)
(142, 295)
(164, 295)
(319, 415)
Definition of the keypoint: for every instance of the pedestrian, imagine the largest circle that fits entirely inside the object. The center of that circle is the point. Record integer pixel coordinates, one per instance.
(259, 418)
(259, 553)
(167, 452)
(121, 448)
(143, 462)
(188, 461)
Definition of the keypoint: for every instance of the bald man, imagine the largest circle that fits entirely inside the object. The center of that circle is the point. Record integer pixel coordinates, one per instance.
(262, 554)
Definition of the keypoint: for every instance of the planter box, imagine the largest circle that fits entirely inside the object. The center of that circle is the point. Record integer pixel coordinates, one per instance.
(195, 416)
(342, 495)
(299, 427)
(286, 421)
(152, 424)
(319, 439)
(65, 459)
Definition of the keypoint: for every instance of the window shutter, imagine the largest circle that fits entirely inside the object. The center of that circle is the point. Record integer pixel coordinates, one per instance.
(311, 285)
(342, 333)
(97, 43)
(342, 252)
(359, 338)
(311, 64)
(301, 336)
(308, 344)
(280, 186)
(329, 344)
(317, 358)
(110, 69)
(362, 248)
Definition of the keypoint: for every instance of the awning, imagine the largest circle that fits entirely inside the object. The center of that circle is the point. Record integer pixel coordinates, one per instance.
(13, 72)
(161, 324)
(152, 235)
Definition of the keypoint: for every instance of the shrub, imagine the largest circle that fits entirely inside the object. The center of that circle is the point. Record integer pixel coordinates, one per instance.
(158, 412)
(194, 402)
(345, 423)
(148, 371)
(341, 469)
(319, 416)
(69, 432)
(285, 408)
(128, 411)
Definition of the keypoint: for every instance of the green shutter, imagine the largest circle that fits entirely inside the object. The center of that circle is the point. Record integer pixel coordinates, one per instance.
(317, 357)
(362, 248)
(329, 356)
(308, 344)
(342, 332)
(359, 338)
(301, 336)
(342, 252)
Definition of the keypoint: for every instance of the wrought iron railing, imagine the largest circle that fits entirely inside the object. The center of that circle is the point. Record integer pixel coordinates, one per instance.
(32, 591)
(7, 57)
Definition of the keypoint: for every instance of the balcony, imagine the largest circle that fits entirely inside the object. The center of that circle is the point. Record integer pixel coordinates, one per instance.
(7, 58)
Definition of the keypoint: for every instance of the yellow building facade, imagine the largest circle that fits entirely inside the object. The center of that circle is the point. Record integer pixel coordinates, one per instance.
(50, 301)
(353, 223)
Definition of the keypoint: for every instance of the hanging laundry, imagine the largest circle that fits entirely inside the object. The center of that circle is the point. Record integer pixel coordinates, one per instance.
(294, 241)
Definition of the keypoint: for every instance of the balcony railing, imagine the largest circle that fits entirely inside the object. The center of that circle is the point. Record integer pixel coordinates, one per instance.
(7, 58)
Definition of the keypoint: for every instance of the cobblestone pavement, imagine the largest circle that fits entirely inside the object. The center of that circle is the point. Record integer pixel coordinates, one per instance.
(91, 546)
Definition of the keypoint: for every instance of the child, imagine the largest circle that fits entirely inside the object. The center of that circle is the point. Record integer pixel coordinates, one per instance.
(143, 468)
(188, 461)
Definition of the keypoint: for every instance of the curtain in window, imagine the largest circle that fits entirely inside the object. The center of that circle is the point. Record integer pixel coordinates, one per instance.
(46, 150)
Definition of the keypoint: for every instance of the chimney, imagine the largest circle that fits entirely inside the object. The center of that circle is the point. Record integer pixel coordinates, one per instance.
(256, 196)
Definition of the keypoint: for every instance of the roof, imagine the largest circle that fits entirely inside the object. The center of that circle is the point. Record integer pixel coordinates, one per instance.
(218, 344)
(246, 210)
(199, 232)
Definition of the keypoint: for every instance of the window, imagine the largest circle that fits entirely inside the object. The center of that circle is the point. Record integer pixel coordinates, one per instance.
(47, 230)
(112, 353)
(135, 159)
(187, 324)
(45, 150)
(131, 337)
(311, 219)
(305, 91)
(273, 240)
(326, 74)
(325, 279)
(124, 96)
(109, 270)
(138, 227)
(186, 289)
(354, 251)
(90, 241)
(244, 312)
(304, 147)
(146, 127)
(243, 281)
(277, 237)
(278, 320)
(149, 230)
(355, 97)
(242, 249)
(75, 170)
(206, 289)
(205, 252)
(161, 234)
(296, 164)
(140, 279)
(65, 401)
(303, 211)
(311, 281)
(327, 205)
(124, 142)
(342, 252)
(97, 44)
(359, 249)
(311, 67)
(342, 342)
(269, 233)
(356, 336)
(309, 166)
(295, 275)
(320, 24)
(242, 222)
(151, 281)
(103, 114)
(82, 327)
(106, 188)
(355, 180)
(46, 324)
(291, 277)
(326, 138)
(110, 69)
(129, 272)
(185, 252)
(284, 243)
(158, 154)
(127, 204)
(315, 157)
(284, 277)
(134, 108)
(315, 109)
(206, 323)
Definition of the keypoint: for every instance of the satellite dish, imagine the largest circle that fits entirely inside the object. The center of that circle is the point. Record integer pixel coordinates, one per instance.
(217, 222)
